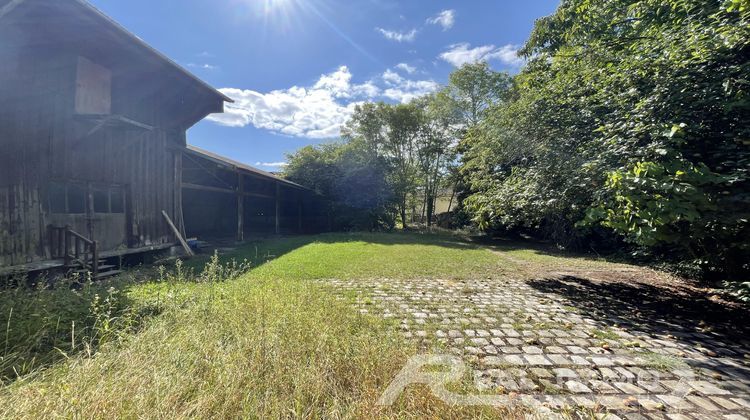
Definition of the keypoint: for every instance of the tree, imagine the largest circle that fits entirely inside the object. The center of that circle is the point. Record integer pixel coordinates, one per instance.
(352, 177)
(474, 88)
(393, 131)
(631, 115)
(436, 145)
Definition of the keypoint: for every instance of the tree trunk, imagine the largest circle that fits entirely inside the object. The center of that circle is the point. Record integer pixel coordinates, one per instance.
(430, 211)
(453, 194)
(403, 213)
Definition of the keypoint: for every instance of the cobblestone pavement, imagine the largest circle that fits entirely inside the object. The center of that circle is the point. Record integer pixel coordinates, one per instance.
(522, 340)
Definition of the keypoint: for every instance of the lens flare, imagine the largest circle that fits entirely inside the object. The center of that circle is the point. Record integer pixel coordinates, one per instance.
(291, 16)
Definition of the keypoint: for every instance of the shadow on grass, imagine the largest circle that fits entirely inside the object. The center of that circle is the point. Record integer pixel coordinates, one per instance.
(656, 310)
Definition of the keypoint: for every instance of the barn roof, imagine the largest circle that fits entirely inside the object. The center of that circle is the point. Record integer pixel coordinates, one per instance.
(239, 166)
(87, 20)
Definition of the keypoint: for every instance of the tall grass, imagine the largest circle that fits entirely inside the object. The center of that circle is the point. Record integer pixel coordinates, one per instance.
(267, 344)
(43, 324)
(52, 321)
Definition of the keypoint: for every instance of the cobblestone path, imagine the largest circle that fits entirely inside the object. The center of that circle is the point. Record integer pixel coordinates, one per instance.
(568, 345)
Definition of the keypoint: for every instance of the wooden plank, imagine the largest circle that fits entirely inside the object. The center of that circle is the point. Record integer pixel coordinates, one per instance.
(93, 88)
(130, 122)
(177, 234)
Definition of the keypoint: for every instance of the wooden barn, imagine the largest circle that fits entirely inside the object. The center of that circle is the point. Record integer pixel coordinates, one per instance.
(93, 128)
(225, 198)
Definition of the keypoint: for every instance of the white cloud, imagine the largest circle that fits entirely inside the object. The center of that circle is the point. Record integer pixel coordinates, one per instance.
(446, 19)
(312, 112)
(405, 67)
(392, 78)
(316, 111)
(460, 54)
(405, 90)
(337, 83)
(204, 66)
(272, 164)
(398, 36)
(367, 90)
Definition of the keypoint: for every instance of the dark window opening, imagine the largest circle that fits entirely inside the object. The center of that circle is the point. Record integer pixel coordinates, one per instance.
(117, 203)
(76, 199)
(73, 198)
(57, 198)
(101, 201)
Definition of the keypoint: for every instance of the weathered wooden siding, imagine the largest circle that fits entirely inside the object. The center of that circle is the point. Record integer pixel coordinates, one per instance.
(87, 107)
(32, 94)
(42, 140)
(20, 224)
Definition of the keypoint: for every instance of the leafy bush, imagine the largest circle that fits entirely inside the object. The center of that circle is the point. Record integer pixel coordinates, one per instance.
(632, 115)
(352, 178)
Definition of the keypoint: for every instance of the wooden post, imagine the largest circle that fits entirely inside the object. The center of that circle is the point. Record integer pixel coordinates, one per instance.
(177, 234)
(94, 259)
(299, 212)
(66, 245)
(278, 191)
(90, 209)
(240, 207)
(52, 241)
(177, 205)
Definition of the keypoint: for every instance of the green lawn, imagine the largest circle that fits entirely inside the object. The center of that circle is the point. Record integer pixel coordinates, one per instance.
(363, 256)
(268, 343)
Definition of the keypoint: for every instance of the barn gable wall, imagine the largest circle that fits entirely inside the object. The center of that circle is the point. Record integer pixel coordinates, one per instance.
(44, 142)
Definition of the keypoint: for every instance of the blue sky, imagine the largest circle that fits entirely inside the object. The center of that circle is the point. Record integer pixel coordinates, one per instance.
(297, 68)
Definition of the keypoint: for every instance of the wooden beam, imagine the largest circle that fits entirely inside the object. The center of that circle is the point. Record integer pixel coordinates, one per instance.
(232, 166)
(240, 208)
(177, 234)
(191, 186)
(252, 194)
(196, 160)
(207, 188)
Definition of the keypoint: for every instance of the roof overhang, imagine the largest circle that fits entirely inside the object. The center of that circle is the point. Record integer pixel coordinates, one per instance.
(238, 166)
(47, 16)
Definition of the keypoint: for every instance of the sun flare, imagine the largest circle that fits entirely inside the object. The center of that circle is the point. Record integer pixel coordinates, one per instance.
(278, 14)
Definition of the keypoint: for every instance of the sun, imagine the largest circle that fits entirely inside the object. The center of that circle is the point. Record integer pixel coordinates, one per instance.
(277, 8)
(270, 6)
(277, 14)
